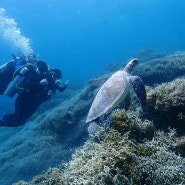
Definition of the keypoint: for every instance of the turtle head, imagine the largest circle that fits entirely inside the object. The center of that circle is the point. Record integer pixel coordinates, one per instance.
(131, 64)
(134, 61)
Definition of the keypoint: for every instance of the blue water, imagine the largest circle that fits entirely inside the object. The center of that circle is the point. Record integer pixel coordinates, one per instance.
(82, 37)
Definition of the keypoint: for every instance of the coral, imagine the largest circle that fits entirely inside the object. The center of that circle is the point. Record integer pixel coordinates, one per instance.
(167, 95)
(119, 160)
(179, 145)
(100, 163)
(167, 104)
(161, 165)
(126, 121)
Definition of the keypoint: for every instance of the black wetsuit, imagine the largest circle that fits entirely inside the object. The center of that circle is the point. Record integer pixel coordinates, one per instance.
(6, 75)
(27, 102)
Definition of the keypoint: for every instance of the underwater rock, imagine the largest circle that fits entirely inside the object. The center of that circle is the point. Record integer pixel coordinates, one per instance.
(163, 69)
(66, 114)
(160, 165)
(119, 160)
(122, 156)
(166, 105)
(157, 68)
(145, 55)
(125, 121)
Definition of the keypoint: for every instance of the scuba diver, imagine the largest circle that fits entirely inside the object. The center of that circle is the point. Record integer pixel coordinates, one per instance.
(8, 69)
(32, 92)
(53, 78)
(36, 87)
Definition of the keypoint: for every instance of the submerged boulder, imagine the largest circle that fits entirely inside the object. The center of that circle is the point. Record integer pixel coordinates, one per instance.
(163, 69)
(166, 105)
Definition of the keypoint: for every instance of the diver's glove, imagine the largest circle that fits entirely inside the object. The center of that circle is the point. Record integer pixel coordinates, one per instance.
(44, 82)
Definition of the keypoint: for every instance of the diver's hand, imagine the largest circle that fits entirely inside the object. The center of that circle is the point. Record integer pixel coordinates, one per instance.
(44, 82)
(57, 82)
(50, 93)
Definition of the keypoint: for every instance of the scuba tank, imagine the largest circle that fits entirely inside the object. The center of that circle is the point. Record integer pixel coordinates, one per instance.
(15, 85)
(16, 63)
(3, 66)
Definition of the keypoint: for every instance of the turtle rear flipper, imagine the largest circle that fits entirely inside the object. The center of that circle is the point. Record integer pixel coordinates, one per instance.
(139, 89)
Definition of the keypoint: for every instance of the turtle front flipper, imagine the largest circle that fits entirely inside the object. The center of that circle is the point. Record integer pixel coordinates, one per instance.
(139, 89)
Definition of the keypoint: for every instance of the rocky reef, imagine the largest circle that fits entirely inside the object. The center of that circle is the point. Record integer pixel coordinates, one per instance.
(136, 148)
(145, 55)
(119, 159)
(164, 69)
(166, 103)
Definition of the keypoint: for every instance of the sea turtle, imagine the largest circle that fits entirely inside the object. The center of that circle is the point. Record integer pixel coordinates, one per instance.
(114, 91)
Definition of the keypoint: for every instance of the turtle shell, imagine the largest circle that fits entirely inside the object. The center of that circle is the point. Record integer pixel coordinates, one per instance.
(112, 92)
